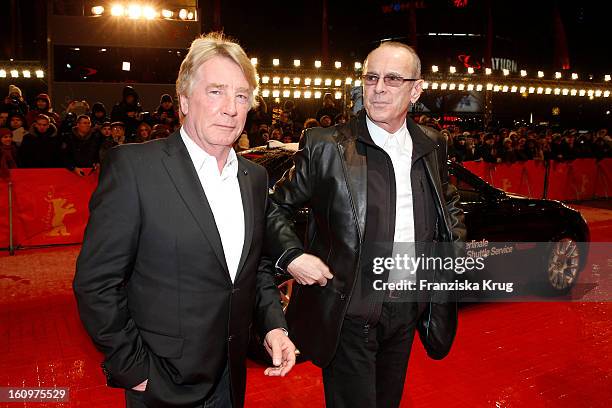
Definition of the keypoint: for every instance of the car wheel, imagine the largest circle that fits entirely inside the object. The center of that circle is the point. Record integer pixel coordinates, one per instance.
(563, 265)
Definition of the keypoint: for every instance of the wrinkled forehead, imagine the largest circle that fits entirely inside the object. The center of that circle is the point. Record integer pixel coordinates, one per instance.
(389, 59)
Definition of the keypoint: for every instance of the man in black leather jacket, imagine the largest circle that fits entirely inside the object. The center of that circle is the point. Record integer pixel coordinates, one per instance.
(376, 180)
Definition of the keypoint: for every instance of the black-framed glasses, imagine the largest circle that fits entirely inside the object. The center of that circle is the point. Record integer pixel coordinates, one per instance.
(390, 80)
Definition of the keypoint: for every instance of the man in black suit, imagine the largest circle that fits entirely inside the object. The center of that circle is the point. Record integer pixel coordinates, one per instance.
(378, 180)
(169, 276)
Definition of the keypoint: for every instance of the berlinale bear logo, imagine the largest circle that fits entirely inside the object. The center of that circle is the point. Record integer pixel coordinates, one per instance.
(58, 209)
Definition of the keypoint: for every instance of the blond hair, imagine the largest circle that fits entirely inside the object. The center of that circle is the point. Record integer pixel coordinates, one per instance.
(206, 47)
(415, 58)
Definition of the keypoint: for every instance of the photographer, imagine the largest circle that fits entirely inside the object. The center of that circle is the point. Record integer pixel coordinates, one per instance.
(128, 111)
(14, 102)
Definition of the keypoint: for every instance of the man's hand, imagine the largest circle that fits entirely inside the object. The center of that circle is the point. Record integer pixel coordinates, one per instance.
(141, 387)
(282, 351)
(308, 269)
(78, 171)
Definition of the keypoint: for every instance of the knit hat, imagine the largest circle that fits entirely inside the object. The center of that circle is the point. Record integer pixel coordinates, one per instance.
(14, 89)
(165, 98)
(5, 131)
(44, 97)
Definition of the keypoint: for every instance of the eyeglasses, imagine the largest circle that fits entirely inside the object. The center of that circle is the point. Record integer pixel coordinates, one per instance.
(390, 80)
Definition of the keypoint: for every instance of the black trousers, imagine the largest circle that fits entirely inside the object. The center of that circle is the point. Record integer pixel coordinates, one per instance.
(220, 397)
(369, 367)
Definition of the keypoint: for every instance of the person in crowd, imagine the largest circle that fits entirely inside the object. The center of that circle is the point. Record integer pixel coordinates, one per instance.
(159, 132)
(17, 125)
(584, 145)
(326, 121)
(166, 114)
(258, 116)
(310, 123)
(458, 149)
(4, 114)
(277, 133)
(520, 152)
(508, 153)
(471, 151)
(568, 148)
(261, 138)
(328, 108)
(360, 337)
(116, 137)
(287, 136)
(41, 145)
(98, 115)
(128, 111)
(556, 147)
(14, 102)
(488, 151)
(42, 106)
(184, 218)
(143, 133)
(340, 119)
(242, 143)
(602, 149)
(285, 122)
(105, 130)
(8, 152)
(81, 149)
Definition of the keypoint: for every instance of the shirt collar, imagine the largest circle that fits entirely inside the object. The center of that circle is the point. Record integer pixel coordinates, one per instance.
(200, 158)
(380, 136)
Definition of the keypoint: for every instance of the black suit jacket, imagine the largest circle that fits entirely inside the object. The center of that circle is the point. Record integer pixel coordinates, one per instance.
(152, 284)
(330, 177)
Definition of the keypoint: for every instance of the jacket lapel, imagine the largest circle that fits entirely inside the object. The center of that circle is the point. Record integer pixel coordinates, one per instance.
(180, 168)
(353, 154)
(246, 193)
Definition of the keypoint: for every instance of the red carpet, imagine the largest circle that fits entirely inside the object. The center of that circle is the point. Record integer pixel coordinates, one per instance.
(506, 354)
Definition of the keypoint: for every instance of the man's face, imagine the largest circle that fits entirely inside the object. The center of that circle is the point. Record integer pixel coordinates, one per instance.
(284, 117)
(130, 99)
(41, 125)
(166, 105)
(106, 131)
(83, 126)
(3, 118)
(118, 134)
(216, 111)
(16, 122)
(388, 106)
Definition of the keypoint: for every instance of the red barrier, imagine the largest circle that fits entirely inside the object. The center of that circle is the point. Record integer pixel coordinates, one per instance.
(50, 206)
(573, 180)
(603, 183)
(480, 168)
(4, 213)
(524, 178)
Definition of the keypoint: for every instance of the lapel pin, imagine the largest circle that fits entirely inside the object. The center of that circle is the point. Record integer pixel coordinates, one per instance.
(245, 172)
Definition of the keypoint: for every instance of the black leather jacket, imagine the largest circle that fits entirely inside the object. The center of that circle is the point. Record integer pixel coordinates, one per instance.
(330, 177)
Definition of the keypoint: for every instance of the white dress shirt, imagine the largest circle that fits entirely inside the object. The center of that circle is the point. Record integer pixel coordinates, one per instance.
(398, 146)
(223, 194)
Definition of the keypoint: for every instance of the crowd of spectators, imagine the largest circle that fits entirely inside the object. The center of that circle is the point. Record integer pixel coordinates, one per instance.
(80, 137)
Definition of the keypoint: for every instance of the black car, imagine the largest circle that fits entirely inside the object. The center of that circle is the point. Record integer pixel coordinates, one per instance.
(547, 238)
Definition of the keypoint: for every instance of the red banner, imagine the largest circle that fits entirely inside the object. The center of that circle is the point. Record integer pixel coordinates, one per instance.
(573, 180)
(4, 213)
(603, 183)
(50, 206)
